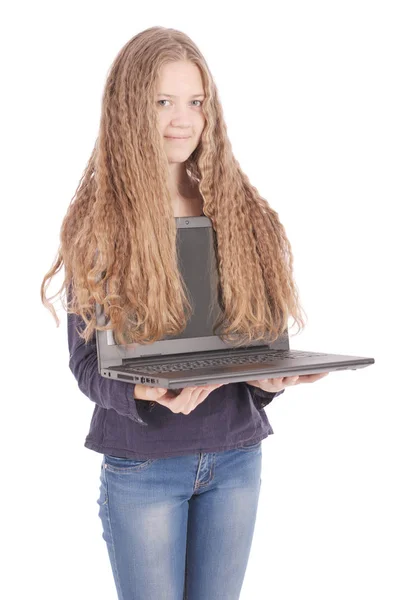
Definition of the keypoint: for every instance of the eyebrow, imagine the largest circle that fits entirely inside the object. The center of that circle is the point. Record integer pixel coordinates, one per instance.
(171, 96)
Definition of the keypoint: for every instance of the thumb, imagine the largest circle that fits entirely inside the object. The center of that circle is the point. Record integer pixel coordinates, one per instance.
(146, 392)
(153, 393)
(161, 391)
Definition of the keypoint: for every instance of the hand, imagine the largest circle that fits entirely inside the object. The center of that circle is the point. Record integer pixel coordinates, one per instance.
(185, 402)
(277, 384)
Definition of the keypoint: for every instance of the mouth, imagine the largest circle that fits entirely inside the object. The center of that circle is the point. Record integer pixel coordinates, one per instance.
(168, 137)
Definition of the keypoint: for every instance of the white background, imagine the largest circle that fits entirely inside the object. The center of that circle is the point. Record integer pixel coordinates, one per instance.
(311, 98)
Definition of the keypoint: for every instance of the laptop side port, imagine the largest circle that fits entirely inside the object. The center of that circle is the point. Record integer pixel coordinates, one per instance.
(127, 377)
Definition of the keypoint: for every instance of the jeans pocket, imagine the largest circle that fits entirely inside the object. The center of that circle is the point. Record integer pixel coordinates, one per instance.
(103, 495)
(251, 446)
(116, 464)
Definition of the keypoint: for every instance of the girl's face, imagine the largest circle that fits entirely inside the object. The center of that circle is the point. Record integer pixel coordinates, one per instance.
(179, 99)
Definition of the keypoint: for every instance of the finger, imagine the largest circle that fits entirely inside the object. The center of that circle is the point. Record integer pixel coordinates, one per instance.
(188, 398)
(277, 380)
(150, 393)
(312, 377)
(195, 391)
(204, 393)
(198, 395)
(291, 380)
(186, 401)
(183, 401)
(273, 384)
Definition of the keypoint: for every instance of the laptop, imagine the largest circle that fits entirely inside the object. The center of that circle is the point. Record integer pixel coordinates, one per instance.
(198, 356)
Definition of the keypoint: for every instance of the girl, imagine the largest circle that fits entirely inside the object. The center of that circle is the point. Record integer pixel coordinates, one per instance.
(180, 475)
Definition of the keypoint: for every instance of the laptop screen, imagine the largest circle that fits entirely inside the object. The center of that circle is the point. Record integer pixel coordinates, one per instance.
(198, 266)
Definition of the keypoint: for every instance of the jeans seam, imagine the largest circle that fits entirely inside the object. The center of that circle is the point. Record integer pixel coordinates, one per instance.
(118, 583)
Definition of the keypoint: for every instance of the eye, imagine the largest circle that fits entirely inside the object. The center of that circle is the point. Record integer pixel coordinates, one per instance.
(165, 100)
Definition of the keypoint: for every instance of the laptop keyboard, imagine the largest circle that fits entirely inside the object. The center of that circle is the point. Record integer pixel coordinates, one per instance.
(217, 362)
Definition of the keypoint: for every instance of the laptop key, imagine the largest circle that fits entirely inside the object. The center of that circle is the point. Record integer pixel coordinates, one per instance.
(215, 362)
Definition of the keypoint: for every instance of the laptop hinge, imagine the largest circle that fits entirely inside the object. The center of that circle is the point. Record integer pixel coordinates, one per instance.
(197, 354)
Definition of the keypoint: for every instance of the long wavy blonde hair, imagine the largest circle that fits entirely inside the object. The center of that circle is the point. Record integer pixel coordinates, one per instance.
(118, 237)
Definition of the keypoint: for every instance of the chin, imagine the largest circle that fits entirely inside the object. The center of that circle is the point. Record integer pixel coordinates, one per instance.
(179, 156)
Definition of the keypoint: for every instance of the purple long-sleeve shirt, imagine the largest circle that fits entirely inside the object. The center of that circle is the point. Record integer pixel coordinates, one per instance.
(232, 416)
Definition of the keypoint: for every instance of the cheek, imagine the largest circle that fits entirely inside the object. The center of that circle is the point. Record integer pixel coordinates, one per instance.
(201, 126)
(162, 123)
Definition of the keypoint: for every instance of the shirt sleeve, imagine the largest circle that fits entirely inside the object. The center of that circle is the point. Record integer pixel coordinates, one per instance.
(108, 393)
(260, 397)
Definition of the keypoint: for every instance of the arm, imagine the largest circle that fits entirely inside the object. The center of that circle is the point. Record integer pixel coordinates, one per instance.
(260, 397)
(108, 393)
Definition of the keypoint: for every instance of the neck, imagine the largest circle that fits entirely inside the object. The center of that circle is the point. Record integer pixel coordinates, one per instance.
(179, 181)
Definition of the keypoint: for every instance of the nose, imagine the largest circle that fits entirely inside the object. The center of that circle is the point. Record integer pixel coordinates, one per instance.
(179, 128)
(181, 116)
(181, 125)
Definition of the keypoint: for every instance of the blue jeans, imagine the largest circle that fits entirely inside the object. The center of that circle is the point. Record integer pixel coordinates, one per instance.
(180, 528)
